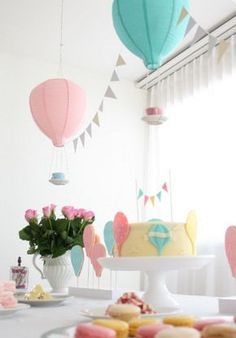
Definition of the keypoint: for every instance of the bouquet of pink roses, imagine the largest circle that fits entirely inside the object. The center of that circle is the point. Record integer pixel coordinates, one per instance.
(52, 236)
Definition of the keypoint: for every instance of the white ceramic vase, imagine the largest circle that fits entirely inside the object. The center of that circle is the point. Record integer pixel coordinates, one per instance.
(58, 271)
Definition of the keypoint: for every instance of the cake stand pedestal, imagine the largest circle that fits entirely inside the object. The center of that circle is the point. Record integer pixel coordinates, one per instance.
(156, 268)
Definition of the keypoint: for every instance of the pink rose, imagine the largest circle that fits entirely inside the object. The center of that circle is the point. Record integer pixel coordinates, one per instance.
(79, 212)
(30, 214)
(89, 215)
(49, 210)
(68, 212)
(53, 207)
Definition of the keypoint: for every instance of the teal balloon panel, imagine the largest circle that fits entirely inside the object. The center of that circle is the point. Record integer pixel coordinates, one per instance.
(149, 29)
(77, 259)
(159, 235)
(109, 237)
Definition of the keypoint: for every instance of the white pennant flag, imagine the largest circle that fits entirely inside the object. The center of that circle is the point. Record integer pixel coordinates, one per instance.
(198, 35)
(96, 120)
(190, 26)
(75, 144)
(89, 130)
(115, 77)
(82, 139)
(109, 93)
(101, 107)
(120, 61)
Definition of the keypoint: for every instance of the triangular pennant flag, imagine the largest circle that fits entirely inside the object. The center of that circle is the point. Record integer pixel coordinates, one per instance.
(96, 120)
(140, 194)
(164, 187)
(109, 93)
(75, 144)
(159, 196)
(101, 107)
(211, 42)
(198, 35)
(182, 16)
(190, 26)
(115, 77)
(146, 198)
(82, 138)
(120, 61)
(89, 129)
(221, 50)
(152, 198)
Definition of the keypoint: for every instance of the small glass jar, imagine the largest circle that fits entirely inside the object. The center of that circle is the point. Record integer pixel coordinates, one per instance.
(20, 274)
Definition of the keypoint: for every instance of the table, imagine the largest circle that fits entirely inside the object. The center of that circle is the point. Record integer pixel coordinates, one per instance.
(34, 322)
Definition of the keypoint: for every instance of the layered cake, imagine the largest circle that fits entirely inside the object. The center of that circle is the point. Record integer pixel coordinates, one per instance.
(154, 238)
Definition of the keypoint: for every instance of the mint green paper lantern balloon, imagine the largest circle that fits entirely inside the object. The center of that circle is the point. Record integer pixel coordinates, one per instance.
(150, 28)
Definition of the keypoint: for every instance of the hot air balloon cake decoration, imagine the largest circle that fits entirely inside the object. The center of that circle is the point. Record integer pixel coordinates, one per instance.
(159, 235)
(121, 229)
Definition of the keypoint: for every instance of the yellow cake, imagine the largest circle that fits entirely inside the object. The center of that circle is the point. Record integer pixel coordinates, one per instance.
(159, 238)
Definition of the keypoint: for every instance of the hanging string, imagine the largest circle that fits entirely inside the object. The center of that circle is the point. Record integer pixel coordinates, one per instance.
(60, 69)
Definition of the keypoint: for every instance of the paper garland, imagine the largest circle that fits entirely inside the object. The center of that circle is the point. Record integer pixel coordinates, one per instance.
(152, 198)
(109, 94)
(201, 32)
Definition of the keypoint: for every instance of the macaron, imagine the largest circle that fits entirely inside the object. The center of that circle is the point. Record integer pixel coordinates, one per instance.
(135, 324)
(182, 320)
(150, 331)
(219, 330)
(121, 328)
(93, 331)
(124, 312)
(179, 332)
(201, 324)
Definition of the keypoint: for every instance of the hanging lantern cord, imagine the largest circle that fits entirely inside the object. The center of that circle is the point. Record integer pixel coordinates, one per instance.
(60, 69)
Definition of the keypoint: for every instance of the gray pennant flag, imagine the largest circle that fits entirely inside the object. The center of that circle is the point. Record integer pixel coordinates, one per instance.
(96, 120)
(211, 42)
(82, 139)
(190, 26)
(120, 61)
(101, 107)
(198, 35)
(75, 144)
(115, 77)
(109, 93)
(89, 130)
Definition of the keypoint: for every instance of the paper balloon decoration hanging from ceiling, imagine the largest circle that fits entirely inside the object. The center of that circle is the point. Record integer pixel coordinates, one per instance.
(58, 108)
(150, 28)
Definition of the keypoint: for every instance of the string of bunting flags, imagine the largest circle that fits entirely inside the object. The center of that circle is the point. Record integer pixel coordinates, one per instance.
(201, 32)
(109, 93)
(152, 198)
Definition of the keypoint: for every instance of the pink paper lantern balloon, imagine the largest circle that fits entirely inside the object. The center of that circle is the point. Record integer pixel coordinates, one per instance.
(99, 251)
(121, 230)
(58, 108)
(230, 248)
(89, 239)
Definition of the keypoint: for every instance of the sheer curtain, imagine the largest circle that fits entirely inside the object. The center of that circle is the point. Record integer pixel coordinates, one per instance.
(198, 144)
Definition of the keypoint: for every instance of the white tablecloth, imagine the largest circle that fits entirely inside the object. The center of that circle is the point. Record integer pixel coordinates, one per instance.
(36, 321)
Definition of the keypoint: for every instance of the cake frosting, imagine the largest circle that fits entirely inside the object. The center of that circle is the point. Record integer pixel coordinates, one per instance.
(156, 237)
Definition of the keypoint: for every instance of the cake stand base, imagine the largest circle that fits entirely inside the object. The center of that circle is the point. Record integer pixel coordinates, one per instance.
(156, 268)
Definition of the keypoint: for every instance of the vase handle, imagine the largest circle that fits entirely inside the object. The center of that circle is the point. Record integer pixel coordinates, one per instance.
(36, 266)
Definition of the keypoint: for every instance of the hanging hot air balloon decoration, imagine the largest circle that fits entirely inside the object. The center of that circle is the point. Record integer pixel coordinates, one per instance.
(150, 29)
(159, 235)
(58, 108)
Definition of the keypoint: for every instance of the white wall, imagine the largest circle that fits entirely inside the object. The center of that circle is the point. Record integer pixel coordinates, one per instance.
(102, 176)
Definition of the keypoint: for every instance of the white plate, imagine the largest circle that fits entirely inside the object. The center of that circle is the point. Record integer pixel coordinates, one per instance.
(101, 313)
(42, 302)
(10, 311)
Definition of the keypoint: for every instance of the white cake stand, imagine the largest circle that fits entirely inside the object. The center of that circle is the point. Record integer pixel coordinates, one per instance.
(156, 268)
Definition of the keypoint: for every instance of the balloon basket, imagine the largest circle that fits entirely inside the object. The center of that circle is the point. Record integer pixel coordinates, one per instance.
(95, 293)
(156, 269)
(59, 167)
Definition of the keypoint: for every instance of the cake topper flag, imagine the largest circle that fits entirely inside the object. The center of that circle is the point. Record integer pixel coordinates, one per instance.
(98, 251)
(89, 239)
(159, 236)
(121, 230)
(230, 248)
(146, 198)
(152, 198)
(191, 229)
(140, 194)
(109, 237)
(77, 259)
(159, 196)
(164, 187)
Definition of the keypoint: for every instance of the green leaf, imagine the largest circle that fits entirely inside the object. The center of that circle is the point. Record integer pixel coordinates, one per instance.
(25, 234)
(58, 251)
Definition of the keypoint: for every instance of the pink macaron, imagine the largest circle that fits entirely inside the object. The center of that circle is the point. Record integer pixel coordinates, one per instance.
(149, 331)
(93, 331)
(201, 324)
